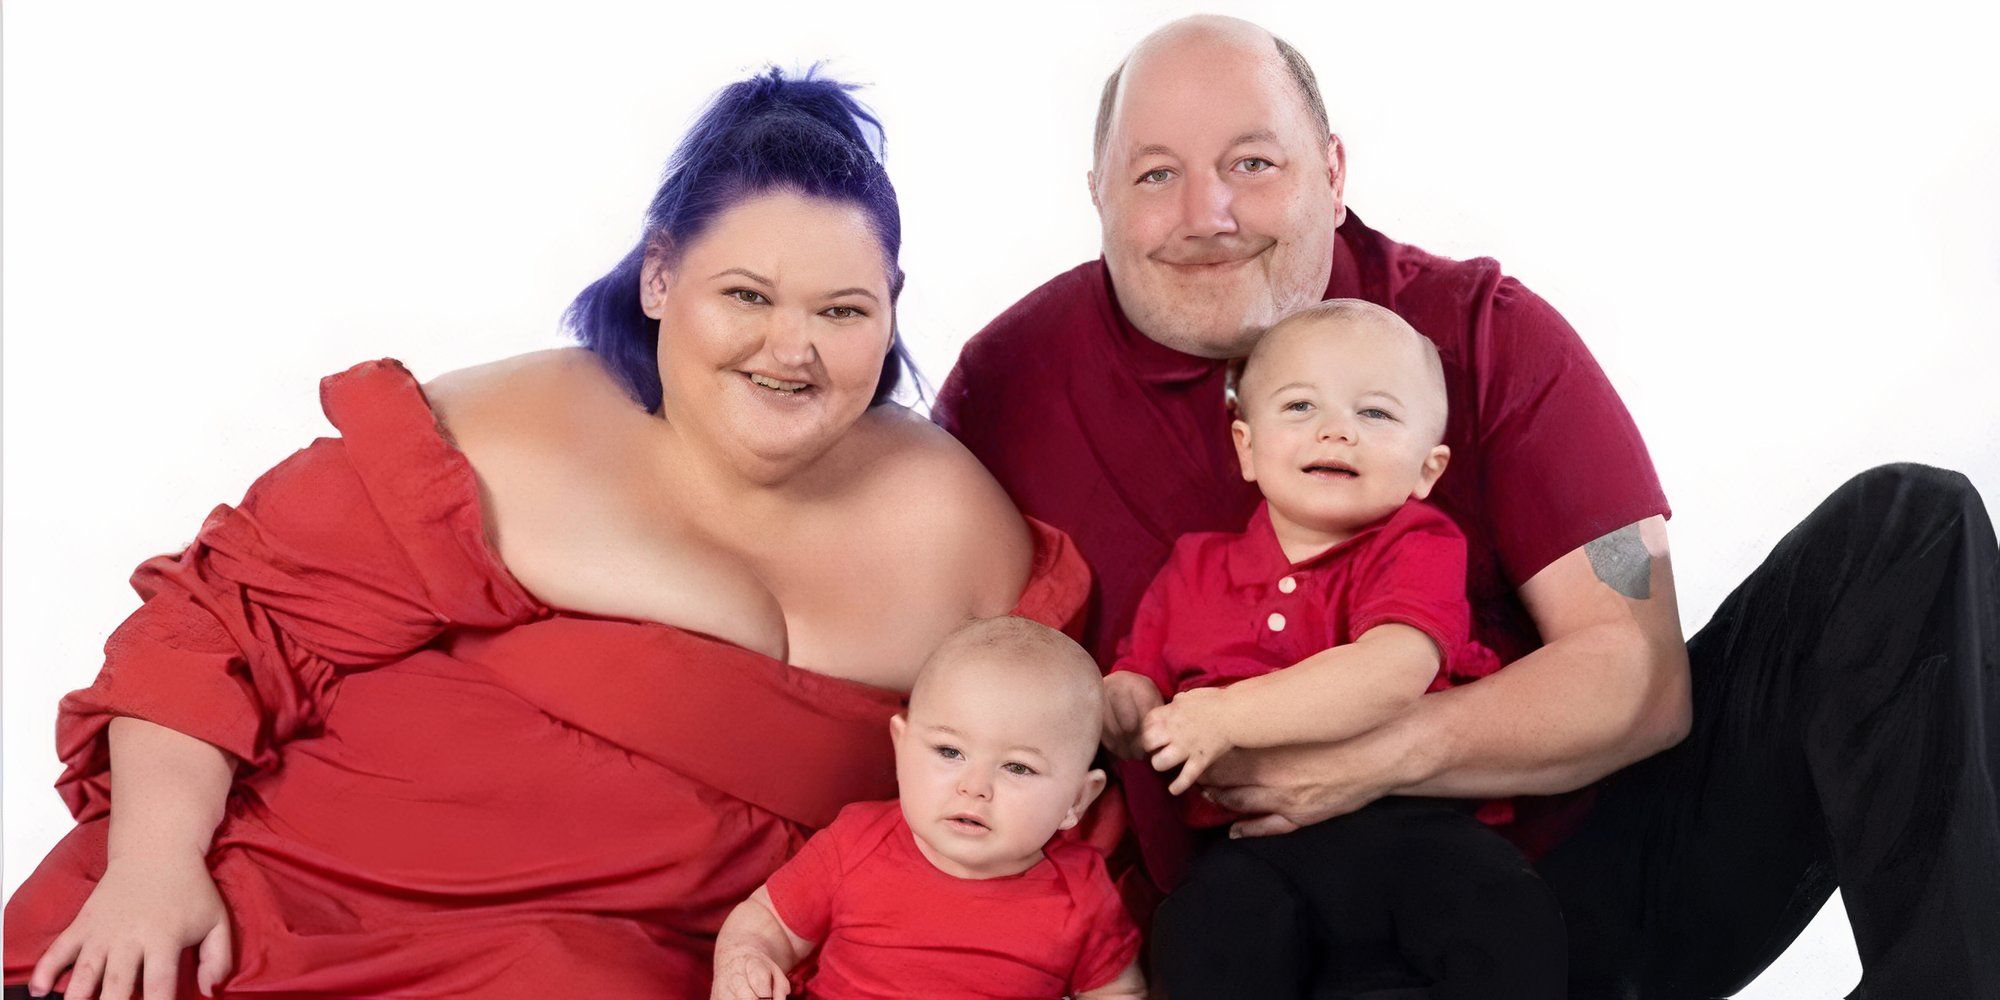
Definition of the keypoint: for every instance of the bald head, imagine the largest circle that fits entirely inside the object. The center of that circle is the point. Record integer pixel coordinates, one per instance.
(1024, 661)
(1357, 319)
(1200, 40)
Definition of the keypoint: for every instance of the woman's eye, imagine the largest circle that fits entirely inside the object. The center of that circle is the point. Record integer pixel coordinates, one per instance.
(843, 312)
(747, 296)
(1017, 768)
(1256, 165)
(1156, 176)
(949, 753)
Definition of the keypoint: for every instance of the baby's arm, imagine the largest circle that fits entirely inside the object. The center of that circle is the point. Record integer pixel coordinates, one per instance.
(1331, 695)
(754, 951)
(1130, 985)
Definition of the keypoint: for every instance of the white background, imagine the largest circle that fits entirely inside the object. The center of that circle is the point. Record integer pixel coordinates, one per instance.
(1778, 230)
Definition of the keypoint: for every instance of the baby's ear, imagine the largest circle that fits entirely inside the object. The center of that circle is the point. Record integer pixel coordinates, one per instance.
(898, 726)
(1427, 477)
(1093, 786)
(1239, 432)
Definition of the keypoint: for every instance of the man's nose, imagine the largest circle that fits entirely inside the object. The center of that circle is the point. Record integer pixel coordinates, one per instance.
(1207, 205)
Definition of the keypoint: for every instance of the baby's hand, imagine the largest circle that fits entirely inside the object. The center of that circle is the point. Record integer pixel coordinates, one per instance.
(1191, 731)
(748, 974)
(1127, 699)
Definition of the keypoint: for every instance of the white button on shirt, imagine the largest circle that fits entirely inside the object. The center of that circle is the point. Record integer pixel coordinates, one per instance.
(1287, 585)
(1276, 621)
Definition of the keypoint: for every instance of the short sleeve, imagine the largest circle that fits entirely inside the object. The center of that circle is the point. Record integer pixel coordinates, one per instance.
(1143, 650)
(349, 554)
(802, 890)
(1109, 939)
(1415, 575)
(1560, 461)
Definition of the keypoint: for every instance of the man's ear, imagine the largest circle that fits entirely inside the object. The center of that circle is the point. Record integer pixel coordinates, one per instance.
(1090, 178)
(1093, 784)
(654, 277)
(1336, 172)
(1434, 464)
(1239, 432)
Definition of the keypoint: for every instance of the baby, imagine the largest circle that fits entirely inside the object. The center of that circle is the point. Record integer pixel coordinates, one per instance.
(1341, 603)
(961, 888)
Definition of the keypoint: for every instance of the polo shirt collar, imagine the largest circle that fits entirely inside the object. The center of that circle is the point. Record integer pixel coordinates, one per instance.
(1258, 558)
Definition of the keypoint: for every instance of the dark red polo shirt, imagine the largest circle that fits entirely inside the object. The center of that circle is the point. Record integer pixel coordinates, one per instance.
(1124, 443)
(890, 924)
(1229, 606)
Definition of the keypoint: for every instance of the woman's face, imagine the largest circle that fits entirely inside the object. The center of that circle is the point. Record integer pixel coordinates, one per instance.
(773, 328)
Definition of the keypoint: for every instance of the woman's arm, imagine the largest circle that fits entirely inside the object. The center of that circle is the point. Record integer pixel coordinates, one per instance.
(156, 898)
(1331, 695)
(754, 952)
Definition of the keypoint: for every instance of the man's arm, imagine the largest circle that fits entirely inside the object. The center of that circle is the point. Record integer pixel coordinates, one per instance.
(1608, 687)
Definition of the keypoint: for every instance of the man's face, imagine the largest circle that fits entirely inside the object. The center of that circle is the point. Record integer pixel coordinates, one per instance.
(1217, 195)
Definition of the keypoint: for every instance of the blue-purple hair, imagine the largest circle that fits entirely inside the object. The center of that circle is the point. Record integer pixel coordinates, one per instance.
(770, 132)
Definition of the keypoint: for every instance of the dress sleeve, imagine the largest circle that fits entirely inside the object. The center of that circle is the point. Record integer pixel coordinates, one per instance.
(1416, 577)
(1110, 939)
(1560, 460)
(1143, 650)
(347, 555)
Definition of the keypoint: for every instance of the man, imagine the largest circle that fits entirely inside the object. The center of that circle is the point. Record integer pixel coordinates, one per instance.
(1836, 723)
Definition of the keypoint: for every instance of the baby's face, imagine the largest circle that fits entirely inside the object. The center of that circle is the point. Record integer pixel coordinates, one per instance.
(1339, 422)
(989, 772)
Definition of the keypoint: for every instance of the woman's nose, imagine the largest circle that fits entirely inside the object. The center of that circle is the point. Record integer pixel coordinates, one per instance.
(790, 340)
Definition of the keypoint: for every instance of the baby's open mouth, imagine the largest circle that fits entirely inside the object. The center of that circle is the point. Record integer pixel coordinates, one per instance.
(1332, 469)
(966, 823)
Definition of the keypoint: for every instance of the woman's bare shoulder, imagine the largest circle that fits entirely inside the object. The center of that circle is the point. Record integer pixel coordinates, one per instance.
(528, 396)
(947, 504)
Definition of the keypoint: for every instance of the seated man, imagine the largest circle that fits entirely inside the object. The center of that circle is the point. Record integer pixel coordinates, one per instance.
(1835, 724)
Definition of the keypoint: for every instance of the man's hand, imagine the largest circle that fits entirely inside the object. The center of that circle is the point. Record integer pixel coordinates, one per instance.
(1127, 699)
(748, 974)
(1284, 788)
(131, 931)
(1192, 731)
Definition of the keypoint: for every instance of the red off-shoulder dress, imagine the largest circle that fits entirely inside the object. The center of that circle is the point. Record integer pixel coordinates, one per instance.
(449, 789)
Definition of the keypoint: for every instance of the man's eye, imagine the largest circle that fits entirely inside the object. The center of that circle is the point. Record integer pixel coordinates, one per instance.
(949, 753)
(1157, 176)
(843, 312)
(1256, 164)
(1015, 767)
(747, 296)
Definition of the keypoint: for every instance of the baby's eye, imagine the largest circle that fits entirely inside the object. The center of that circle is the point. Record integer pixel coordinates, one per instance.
(1297, 406)
(1377, 413)
(842, 312)
(1016, 767)
(949, 753)
(747, 296)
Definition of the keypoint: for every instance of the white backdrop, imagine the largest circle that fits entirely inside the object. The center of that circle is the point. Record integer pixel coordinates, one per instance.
(1778, 231)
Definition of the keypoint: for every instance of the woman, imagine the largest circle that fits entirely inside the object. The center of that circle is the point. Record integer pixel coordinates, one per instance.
(528, 677)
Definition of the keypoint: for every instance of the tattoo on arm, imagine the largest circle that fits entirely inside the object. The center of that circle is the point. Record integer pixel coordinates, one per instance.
(1621, 561)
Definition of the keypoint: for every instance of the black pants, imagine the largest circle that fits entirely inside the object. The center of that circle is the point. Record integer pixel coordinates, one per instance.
(1402, 888)
(1846, 733)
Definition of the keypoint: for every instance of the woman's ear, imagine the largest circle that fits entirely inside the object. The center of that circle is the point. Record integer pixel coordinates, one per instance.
(1093, 785)
(654, 278)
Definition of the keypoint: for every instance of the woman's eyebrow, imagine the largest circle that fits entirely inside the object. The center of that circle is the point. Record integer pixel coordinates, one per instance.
(746, 272)
(852, 291)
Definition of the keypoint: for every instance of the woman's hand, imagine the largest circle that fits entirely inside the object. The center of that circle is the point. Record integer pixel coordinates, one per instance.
(1191, 731)
(133, 928)
(748, 974)
(1127, 699)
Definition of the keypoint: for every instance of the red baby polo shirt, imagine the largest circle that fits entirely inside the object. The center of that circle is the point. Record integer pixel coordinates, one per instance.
(1230, 605)
(891, 925)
